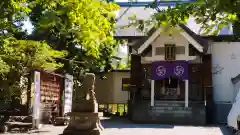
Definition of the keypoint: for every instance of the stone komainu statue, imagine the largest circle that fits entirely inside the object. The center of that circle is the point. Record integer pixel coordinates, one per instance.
(88, 86)
(85, 91)
(84, 116)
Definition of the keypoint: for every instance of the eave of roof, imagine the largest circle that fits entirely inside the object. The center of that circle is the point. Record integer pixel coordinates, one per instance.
(129, 38)
(219, 38)
(204, 43)
(222, 38)
(201, 41)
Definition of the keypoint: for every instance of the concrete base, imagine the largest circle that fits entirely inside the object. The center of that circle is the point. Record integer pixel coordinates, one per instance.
(81, 132)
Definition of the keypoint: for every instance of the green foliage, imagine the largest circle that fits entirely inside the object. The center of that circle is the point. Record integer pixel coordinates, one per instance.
(13, 12)
(124, 63)
(24, 55)
(59, 26)
(86, 23)
(18, 57)
(212, 14)
(17, 53)
(4, 67)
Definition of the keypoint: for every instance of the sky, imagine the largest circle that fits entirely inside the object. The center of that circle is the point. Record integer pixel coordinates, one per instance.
(28, 26)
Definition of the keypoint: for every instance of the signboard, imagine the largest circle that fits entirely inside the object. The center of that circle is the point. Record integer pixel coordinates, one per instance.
(36, 101)
(68, 91)
(165, 69)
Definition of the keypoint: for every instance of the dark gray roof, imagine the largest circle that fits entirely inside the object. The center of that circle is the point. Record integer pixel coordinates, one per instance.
(203, 42)
(222, 38)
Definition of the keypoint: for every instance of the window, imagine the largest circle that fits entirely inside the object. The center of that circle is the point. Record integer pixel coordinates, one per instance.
(170, 51)
(125, 84)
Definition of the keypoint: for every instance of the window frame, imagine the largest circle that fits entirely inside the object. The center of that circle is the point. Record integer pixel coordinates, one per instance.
(170, 48)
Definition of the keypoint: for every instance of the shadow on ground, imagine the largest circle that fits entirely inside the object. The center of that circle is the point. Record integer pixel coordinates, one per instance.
(226, 131)
(121, 123)
(17, 131)
(124, 123)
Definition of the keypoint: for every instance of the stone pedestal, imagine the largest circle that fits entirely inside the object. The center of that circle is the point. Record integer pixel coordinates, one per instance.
(85, 106)
(83, 123)
(84, 118)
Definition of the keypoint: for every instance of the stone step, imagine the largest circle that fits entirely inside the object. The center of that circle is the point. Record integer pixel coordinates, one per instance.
(170, 112)
(169, 103)
(170, 108)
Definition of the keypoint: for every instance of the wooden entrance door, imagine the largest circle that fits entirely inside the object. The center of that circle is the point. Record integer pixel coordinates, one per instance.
(195, 83)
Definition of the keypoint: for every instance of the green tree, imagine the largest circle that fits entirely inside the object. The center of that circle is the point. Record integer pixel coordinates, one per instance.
(18, 55)
(81, 30)
(84, 28)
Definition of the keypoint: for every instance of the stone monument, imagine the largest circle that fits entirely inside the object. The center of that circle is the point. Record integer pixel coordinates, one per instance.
(84, 118)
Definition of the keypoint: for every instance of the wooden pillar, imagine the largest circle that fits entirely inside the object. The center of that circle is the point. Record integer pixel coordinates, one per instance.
(178, 88)
(152, 92)
(163, 87)
(186, 93)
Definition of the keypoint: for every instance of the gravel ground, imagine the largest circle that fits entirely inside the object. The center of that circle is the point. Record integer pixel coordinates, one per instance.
(123, 127)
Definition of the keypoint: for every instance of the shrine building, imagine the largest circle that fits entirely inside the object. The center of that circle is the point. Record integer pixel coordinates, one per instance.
(170, 77)
(177, 76)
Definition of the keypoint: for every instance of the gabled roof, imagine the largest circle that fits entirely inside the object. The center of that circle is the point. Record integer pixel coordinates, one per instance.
(139, 43)
(197, 41)
(203, 42)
